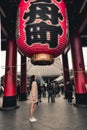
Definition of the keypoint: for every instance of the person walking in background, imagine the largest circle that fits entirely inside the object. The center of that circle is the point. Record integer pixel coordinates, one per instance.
(33, 98)
(39, 93)
(18, 90)
(1, 90)
(50, 92)
(62, 88)
(69, 91)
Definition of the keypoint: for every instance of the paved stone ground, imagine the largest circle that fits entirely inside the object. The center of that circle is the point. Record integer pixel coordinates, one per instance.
(51, 116)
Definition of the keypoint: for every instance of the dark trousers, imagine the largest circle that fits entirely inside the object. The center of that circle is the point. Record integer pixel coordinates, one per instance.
(50, 94)
(69, 96)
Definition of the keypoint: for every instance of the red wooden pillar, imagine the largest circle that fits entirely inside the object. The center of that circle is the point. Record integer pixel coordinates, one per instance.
(79, 71)
(23, 89)
(9, 98)
(65, 72)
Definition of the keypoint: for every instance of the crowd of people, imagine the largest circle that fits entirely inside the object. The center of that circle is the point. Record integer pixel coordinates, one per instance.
(51, 90)
(36, 90)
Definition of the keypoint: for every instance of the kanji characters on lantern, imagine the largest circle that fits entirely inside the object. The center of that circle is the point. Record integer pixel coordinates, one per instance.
(42, 28)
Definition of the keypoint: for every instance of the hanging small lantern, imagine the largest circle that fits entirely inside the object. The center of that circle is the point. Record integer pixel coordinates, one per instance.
(42, 29)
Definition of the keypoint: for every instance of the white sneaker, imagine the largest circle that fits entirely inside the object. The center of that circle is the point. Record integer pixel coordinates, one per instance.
(33, 119)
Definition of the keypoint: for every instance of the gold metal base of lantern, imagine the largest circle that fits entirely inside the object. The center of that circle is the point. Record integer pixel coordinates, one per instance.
(42, 59)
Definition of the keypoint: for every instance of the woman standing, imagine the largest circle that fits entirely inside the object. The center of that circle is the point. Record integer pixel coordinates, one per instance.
(33, 97)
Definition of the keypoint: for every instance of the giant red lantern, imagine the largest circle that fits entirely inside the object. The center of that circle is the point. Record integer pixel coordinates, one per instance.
(42, 29)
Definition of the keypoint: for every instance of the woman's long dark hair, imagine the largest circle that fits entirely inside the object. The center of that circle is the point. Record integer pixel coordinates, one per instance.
(32, 79)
